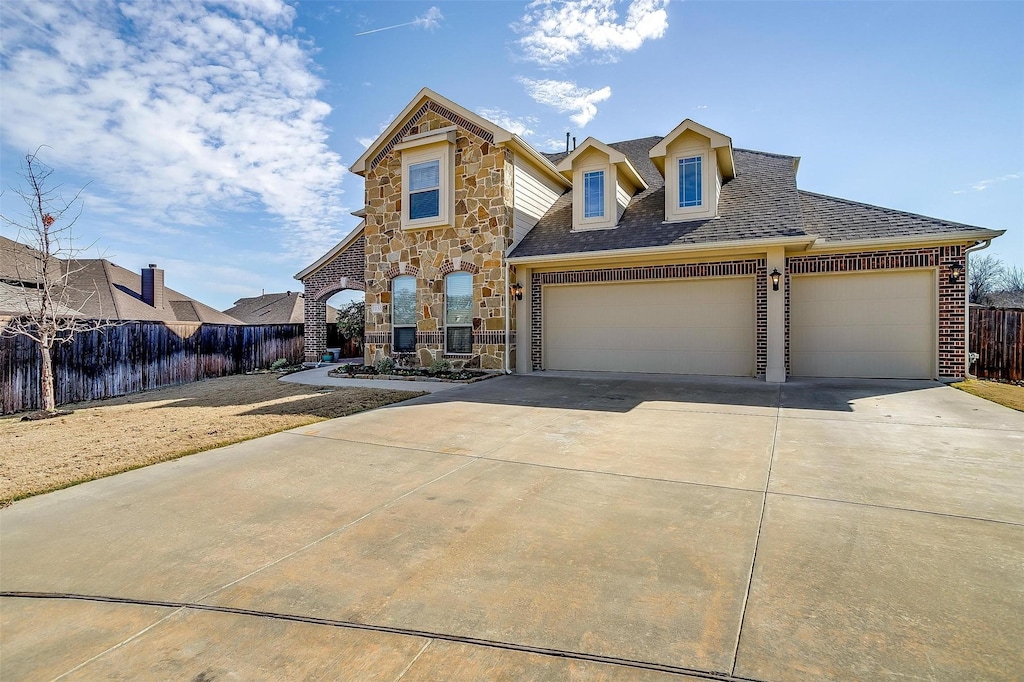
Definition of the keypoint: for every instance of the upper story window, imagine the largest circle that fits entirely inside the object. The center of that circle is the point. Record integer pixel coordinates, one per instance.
(593, 194)
(425, 190)
(403, 314)
(428, 172)
(458, 313)
(691, 185)
(604, 182)
(696, 162)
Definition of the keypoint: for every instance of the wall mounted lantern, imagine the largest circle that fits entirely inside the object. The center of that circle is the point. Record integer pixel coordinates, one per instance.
(956, 271)
(776, 276)
(517, 291)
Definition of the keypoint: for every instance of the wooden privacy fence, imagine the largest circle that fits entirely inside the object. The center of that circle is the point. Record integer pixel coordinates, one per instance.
(997, 336)
(136, 356)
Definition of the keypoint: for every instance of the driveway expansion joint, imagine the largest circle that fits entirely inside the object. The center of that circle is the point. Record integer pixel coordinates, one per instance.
(757, 537)
(900, 509)
(635, 664)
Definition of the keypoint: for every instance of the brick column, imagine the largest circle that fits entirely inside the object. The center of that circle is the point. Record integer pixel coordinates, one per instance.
(316, 327)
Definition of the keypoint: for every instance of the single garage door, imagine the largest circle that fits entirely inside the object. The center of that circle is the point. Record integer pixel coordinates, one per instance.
(876, 325)
(679, 327)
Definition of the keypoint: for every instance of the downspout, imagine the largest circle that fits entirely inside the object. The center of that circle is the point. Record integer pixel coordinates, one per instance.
(978, 246)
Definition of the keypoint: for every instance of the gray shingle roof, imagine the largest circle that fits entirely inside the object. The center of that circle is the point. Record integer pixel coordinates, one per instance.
(280, 308)
(761, 202)
(100, 289)
(836, 220)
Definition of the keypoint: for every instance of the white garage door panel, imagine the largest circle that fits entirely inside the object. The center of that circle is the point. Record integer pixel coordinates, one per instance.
(863, 325)
(691, 327)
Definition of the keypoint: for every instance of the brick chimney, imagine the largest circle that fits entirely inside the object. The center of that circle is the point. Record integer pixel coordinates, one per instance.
(153, 286)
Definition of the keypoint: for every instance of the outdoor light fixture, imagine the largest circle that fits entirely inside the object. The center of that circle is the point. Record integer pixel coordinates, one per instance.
(956, 271)
(517, 291)
(776, 276)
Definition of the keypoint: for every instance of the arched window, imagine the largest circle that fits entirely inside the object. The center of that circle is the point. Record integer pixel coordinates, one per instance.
(403, 314)
(458, 313)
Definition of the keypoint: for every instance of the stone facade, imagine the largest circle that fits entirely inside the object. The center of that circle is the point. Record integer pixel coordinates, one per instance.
(476, 243)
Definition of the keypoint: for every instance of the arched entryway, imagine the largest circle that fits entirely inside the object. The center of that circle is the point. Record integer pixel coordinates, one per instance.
(340, 269)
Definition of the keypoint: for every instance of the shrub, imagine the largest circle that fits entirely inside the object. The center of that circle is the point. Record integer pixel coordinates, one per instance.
(385, 366)
(280, 363)
(440, 365)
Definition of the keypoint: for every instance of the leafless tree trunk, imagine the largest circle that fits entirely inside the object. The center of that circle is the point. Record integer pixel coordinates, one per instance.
(44, 266)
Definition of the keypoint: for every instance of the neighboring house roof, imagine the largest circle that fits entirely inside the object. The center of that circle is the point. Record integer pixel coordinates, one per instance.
(103, 290)
(280, 308)
(761, 203)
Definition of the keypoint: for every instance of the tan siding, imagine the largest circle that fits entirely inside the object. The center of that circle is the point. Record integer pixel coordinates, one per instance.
(533, 196)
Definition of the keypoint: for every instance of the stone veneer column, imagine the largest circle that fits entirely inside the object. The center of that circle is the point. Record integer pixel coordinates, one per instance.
(776, 365)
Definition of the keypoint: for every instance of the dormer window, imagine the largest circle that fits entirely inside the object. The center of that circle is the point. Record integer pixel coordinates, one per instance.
(593, 194)
(691, 182)
(695, 161)
(604, 182)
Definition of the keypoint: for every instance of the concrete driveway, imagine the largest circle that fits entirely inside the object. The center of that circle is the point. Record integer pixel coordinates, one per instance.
(548, 527)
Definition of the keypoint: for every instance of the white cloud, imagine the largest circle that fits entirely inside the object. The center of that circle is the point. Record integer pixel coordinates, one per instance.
(982, 185)
(556, 33)
(430, 20)
(566, 97)
(367, 140)
(193, 109)
(520, 126)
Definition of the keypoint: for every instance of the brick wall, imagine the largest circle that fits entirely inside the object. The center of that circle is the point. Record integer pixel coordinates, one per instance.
(345, 271)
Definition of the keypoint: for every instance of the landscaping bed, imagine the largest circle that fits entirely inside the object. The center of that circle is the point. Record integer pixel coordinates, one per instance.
(397, 373)
(105, 437)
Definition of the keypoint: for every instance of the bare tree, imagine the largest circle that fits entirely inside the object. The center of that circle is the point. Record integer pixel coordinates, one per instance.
(983, 277)
(1013, 280)
(44, 265)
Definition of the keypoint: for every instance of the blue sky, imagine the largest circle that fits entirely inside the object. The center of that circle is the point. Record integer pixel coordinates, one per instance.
(214, 138)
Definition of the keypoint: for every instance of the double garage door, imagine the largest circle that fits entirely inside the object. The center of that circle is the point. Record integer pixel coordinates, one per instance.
(703, 326)
(849, 325)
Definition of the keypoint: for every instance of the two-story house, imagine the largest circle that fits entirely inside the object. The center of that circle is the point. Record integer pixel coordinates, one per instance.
(673, 254)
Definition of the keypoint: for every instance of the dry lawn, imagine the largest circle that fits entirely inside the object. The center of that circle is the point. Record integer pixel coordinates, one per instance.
(1009, 395)
(106, 437)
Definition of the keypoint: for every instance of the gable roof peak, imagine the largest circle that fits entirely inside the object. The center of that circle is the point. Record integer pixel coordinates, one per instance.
(720, 144)
(426, 94)
(619, 159)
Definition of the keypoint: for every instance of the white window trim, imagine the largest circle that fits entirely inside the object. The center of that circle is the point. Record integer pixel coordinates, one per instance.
(708, 168)
(435, 147)
(394, 336)
(610, 218)
(469, 325)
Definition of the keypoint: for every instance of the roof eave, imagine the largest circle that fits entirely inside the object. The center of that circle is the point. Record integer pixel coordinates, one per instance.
(518, 144)
(960, 237)
(359, 167)
(338, 248)
(735, 245)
